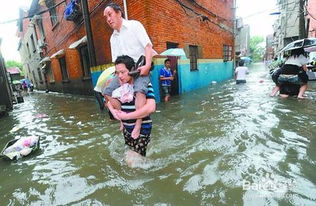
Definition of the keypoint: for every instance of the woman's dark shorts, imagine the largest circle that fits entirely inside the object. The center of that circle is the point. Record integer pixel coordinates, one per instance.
(294, 69)
(138, 145)
(290, 89)
(240, 81)
(166, 90)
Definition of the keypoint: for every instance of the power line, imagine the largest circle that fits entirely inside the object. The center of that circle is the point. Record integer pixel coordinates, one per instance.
(30, 16)
(204, 18)
(264, 11)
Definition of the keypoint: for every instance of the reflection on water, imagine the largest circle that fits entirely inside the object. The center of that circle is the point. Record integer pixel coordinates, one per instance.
(222, 145)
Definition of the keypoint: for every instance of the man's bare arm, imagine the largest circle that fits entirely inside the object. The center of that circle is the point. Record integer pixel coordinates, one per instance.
(146, 110)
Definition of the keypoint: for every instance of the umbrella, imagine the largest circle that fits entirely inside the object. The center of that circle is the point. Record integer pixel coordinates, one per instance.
(247, 60)
(27, 81)
(175, 52)
(308, 44)
(103, 79)
(16, 82)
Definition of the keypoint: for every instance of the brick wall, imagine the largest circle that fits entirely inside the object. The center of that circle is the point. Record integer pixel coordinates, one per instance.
(164, 20)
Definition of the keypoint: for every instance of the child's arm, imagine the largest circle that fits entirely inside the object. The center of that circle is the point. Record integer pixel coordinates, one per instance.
(112, 110)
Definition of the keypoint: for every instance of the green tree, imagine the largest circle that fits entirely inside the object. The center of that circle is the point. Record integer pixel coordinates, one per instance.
(12, 63)
(257, 48)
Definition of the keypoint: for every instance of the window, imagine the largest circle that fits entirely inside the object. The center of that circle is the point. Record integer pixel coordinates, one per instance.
(39, 75)
(50, 74)
(227, 53)
(63, 68)
(28, 68)
(33, 43)
(193, 50)
(41, 28)
(33, 73)
(85, 63)
(171, 45)
(52, 11)
(28, 50)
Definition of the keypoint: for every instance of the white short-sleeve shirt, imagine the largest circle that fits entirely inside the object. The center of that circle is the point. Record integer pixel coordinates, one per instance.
(241, 73)
(298, 61)
(131, 40)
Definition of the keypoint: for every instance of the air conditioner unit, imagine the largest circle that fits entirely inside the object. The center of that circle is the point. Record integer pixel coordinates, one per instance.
(239, 23)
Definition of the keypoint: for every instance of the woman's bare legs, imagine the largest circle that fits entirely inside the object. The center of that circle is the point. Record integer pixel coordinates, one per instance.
(303, 88)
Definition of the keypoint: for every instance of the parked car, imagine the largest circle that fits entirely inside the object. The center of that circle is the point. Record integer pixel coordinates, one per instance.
(312, 66)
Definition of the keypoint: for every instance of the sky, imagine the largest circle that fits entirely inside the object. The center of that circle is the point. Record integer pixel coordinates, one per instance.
(254, 12)
(9, 10)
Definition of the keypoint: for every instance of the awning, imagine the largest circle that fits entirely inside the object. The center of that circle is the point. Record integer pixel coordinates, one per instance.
(44, 60)
(78, 43)
(58, 54)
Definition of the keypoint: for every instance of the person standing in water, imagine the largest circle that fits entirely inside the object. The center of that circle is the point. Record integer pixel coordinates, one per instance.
(166, 78)
(129, 38)
(128, 114)
(241, 72)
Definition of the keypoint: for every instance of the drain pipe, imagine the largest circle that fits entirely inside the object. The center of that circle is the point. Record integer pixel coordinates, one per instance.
(125, 9)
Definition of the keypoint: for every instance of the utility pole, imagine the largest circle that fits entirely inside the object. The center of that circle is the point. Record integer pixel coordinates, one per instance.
(234, 33)
(87, 23)
(302, 29)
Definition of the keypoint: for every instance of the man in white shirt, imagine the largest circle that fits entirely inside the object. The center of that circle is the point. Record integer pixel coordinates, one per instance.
(241, 72)
(129, 38)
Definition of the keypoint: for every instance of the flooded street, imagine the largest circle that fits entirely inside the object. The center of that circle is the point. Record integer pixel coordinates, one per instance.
(226, 144)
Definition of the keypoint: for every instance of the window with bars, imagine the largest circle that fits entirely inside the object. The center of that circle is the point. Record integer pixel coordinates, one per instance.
(33, 44)
(227, 53)
(40, 75)
(52, 11)
(63, 68)
(28, 50)
(41, 28)
(193, 50)
(85, 63)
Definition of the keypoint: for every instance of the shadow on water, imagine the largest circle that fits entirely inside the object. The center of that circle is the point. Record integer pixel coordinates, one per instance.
(226, 144)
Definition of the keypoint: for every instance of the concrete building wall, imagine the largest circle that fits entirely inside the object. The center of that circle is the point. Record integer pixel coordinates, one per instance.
(208, 71)
(31, 57)
(6, 95)
(287, 26)
(243, 39)
(292, 12)
(269, 55)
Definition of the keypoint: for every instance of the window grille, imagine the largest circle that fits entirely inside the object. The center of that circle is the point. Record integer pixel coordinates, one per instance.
(193, 50)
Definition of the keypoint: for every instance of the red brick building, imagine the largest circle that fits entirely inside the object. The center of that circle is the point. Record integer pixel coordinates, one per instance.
(203, 28)
(311, 18)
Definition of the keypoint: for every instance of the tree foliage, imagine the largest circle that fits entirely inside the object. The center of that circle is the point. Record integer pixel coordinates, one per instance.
(257, 48)
(12, 63)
